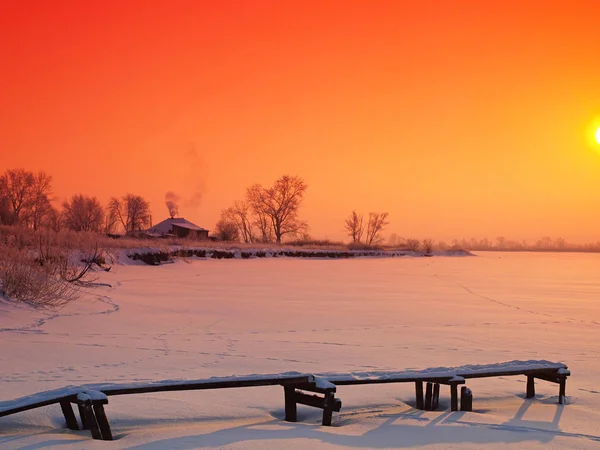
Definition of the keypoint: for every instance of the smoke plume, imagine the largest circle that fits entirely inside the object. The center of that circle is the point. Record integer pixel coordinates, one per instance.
(194, 178)
(171, 200)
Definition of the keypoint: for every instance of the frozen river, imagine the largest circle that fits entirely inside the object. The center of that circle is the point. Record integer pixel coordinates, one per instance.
(195, 319)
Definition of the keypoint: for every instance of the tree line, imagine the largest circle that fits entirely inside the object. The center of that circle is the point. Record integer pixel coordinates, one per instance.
(501, 243)
(266, 214)
(26, 199)
(371, 229)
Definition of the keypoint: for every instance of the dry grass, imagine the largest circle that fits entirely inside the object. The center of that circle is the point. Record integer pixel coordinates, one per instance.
(364, 246)
(316, 243)
(46, 268)
(84, 241)
(23, 278)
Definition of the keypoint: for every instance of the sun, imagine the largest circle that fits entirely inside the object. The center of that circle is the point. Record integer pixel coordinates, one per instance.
(592, 133)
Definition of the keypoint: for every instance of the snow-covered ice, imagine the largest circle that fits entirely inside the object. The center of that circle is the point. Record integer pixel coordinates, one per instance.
(221, 318)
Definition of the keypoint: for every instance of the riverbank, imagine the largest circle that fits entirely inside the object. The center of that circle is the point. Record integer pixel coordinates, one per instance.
(158, 256)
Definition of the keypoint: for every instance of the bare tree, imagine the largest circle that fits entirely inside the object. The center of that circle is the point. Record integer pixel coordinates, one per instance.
(5, 214)
(37, 206)
(54, 219)
(413, 245)
(131, 211)
(428, 245)
(377, 222)
(110, 223)
(16, 187)
(544, 242)
(239, 214)
(501, 240)
(355, 226)
(227, 230)
(280, 204)
(265, 230)
(83, 213)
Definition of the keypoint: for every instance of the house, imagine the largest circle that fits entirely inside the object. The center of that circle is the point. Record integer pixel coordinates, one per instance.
(178, 227)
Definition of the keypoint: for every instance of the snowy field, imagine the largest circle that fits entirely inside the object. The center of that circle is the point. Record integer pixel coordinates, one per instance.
(203, 318)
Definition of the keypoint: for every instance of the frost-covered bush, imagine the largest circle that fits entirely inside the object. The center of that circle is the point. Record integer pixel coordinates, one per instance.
(47, 268)
(23, 278)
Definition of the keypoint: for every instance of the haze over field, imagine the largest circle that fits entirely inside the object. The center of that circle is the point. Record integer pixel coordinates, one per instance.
(476, 115)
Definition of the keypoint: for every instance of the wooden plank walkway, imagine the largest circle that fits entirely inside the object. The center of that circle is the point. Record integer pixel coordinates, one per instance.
(317, 391)
(91, 398)
(455, 376)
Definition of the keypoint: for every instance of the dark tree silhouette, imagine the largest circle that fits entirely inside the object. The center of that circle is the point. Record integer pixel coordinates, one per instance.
(377, 222)
(239, 214)
(355, 226)
(131, 211)
(38, 206)
(16, 187)
(227, 230)
(279, 205)
(83, 213)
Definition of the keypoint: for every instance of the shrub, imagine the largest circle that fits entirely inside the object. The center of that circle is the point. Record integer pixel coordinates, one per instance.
(46, 268)
(23, 278)
(413, 245)
(226, 230)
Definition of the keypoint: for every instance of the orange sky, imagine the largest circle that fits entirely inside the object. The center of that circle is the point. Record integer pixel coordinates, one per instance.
(459, 118)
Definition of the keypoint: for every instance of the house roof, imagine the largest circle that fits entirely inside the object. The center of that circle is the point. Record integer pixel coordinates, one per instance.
(166, 226)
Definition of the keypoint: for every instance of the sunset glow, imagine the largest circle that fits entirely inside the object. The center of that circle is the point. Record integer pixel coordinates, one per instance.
(460, 119)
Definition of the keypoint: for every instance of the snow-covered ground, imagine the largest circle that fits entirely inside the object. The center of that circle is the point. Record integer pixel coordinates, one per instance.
(196, 319)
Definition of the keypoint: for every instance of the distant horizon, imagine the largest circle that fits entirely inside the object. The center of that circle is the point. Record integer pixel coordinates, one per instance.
(388, 232)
